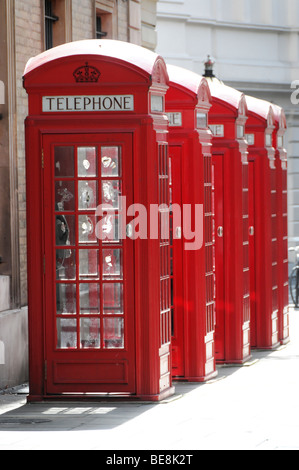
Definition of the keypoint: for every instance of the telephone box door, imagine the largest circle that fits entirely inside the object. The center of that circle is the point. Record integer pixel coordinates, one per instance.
(89, 274)
(252, 252)
(177, 277)
(218, 208)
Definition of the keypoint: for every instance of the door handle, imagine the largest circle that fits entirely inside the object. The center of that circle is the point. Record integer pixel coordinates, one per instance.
(220, 232)
(251, 231)
(178, 233)
(129, 231)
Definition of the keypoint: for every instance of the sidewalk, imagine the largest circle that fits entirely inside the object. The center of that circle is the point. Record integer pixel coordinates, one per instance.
(254, 407)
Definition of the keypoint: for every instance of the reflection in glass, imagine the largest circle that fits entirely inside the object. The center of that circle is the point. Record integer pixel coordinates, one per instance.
(111, 193)
(87, 229)
(110, 158)
(113, 299)
(87, 162)
(201, 120)
(89, 264)
(66, 299)
(90, 333)
(113, 333)
(66, 333)
(112, 264)
(65, 230)
(64, 196)
(65, 264)
(90, 299)
(64, 162)
(107, 229)
(87, 191)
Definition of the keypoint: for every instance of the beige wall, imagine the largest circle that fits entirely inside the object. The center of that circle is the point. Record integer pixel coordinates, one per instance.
(22, 32)
(28, 42)
(22, 37)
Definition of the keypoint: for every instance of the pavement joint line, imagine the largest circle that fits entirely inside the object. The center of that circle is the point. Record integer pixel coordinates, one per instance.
(239, 366)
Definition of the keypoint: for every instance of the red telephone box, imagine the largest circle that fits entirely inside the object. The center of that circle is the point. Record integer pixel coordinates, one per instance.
(188, 102)
(263, 224)
(281, 161)
(97, 155)
(230, 205)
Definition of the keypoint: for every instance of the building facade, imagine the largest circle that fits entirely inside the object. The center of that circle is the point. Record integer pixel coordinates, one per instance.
(28, 28)
(255, 47)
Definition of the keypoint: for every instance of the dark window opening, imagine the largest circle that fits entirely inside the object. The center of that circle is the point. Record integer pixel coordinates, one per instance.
(50, 19)
(99, 33)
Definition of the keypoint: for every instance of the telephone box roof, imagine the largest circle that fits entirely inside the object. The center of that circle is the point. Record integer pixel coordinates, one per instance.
(279, 116)
(188, 80)
(226, 94)
(132, 54)
(260, 108)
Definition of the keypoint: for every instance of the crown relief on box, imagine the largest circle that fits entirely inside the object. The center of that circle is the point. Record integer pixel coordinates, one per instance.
(87, 73)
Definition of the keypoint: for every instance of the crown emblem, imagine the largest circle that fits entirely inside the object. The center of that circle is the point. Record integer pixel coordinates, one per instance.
(87, 73)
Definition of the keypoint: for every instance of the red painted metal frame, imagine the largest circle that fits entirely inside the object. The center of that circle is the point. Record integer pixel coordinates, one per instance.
(281, 161)
(190, 152)
(124, 69)
(264, 237)
(232, 283)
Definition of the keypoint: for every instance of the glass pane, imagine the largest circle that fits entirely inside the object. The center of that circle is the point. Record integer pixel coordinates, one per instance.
(107, 229)
(66, 264)
(66, 299)
(90, 299)
(110, 158)
(201, 120)
(87, 194)
(87, 224)
(89, 264)
(90, 333)
(110, 193)
(64, 162)
(87, 161)
(65, 230)
(64, 196)
(240, 132)
(112, 264)
(113, 333)
(268, 140)
(66, 333)
(250, 139)
(113, 299)
(280, 141)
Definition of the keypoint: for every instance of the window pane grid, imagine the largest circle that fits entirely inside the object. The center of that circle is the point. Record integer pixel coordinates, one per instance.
(165, 281)
(89, 276)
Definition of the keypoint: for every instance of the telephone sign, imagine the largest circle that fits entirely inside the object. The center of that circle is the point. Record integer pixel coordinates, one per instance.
(87, 103)
(175, 119)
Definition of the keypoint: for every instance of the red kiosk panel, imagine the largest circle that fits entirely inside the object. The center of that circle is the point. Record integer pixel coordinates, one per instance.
(281, 161)
(263, 227)
(99, 292)
(187, 103)
(231, 210)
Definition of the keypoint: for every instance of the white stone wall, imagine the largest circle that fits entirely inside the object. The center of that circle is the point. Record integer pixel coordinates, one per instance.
(255, 44)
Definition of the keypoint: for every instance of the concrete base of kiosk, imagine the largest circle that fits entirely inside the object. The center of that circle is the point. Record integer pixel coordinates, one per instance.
(104, 397)
(207, 378)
